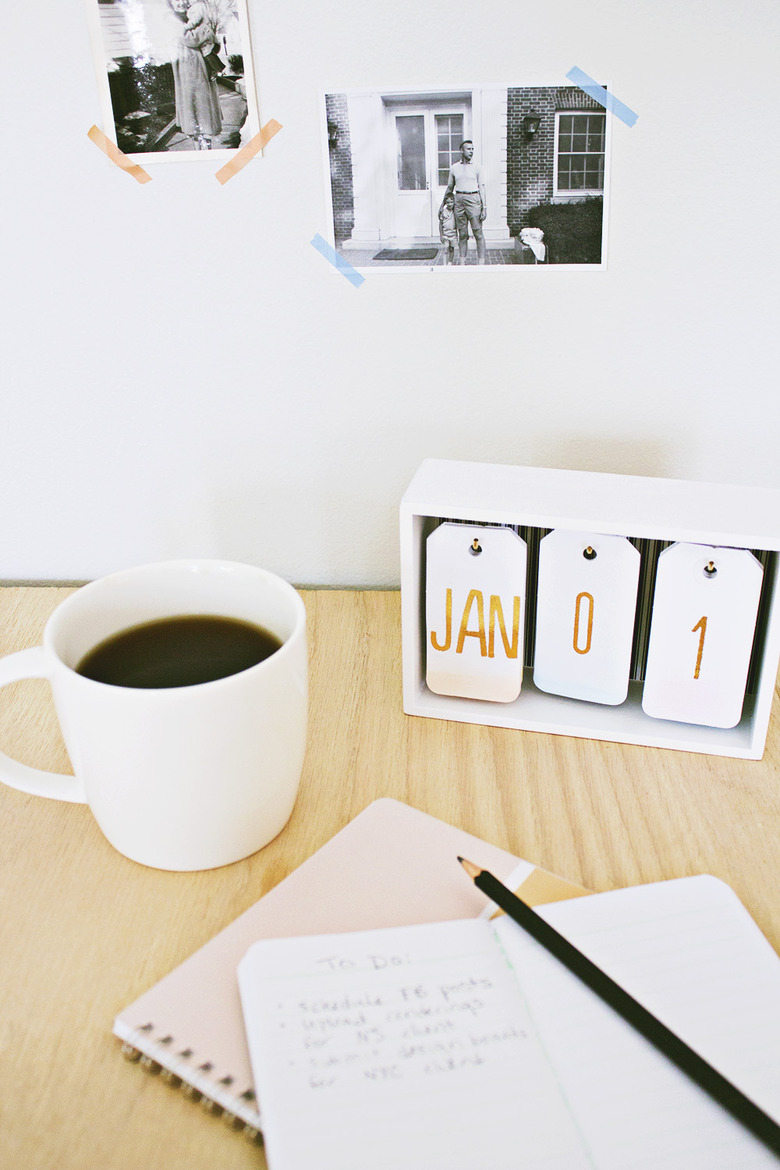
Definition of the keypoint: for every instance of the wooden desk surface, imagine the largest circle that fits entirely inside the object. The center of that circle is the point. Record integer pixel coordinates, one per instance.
(83, 931)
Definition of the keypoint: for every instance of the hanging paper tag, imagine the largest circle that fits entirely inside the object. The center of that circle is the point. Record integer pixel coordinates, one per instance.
(701, 634)
(585, 607)
(475, 612)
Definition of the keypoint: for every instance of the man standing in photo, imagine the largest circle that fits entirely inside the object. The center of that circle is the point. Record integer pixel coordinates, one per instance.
(468, 187)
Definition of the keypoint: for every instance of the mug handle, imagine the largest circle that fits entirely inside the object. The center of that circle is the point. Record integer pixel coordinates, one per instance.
(57, 785)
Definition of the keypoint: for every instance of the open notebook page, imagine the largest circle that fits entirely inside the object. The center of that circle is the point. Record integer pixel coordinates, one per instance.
(421, 1048)
(400, 1048)
(689, 951)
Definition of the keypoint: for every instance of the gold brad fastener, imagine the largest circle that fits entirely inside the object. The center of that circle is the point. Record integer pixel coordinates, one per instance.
(710, 570)
(475, 548)
(589, 553)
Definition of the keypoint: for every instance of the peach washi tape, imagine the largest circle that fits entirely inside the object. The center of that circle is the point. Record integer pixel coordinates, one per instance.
(248, 152)
(116, 155)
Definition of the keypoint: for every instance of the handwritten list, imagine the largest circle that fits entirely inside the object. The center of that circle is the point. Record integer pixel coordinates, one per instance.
(465, 1046)
(380, 1046)
(422, 1027)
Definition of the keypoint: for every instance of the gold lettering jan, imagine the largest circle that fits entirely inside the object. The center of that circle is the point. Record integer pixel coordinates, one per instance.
(497, 614)
(447, 627)
(474, 595)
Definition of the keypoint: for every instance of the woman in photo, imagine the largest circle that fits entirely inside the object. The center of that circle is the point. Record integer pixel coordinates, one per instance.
(197, 102)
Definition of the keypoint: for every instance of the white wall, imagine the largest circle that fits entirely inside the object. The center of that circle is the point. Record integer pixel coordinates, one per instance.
(184, 374)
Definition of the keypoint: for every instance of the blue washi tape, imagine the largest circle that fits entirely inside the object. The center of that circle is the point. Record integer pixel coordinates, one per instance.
(338, 261)
(599, 94)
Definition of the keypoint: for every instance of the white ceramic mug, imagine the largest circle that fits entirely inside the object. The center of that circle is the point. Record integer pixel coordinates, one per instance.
(182, 778)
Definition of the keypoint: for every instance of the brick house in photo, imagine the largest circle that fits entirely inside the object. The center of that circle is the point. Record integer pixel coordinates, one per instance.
(542, 148)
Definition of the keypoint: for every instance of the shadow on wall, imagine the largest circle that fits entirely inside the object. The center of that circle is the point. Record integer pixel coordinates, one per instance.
(616, 456)
(594, 452)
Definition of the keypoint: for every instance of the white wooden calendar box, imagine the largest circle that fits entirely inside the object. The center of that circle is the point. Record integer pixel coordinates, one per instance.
(652, 513)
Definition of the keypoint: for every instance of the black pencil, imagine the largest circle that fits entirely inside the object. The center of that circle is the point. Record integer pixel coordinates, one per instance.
(687, 1060)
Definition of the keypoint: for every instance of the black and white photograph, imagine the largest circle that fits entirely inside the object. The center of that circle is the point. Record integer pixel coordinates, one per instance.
(175, 76)
(475, 176)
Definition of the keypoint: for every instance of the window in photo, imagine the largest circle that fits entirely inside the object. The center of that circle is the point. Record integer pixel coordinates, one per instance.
(449, 129)
(580, 153)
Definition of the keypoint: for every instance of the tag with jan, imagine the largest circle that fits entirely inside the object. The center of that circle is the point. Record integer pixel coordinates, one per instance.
(586, 603)
(701, 634)
(475, 612)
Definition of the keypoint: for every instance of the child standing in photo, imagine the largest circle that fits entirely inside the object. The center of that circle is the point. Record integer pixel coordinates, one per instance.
(448, 232)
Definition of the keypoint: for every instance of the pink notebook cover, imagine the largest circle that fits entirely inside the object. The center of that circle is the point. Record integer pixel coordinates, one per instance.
(390, 866)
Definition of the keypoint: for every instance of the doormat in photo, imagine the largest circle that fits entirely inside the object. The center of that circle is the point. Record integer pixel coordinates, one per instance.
(407, 254)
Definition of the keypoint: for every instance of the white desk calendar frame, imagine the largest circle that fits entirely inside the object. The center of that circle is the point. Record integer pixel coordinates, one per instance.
(641, 508)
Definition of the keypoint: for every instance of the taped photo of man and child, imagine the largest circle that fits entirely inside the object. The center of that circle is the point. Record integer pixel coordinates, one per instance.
(175, 75)
(479, 175)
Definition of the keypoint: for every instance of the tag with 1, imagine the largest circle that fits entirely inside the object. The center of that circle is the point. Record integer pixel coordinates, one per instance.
(701, 634)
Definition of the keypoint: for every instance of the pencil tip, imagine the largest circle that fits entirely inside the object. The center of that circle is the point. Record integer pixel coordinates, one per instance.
(471, 869)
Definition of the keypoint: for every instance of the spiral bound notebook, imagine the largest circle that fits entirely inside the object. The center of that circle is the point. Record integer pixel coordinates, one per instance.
(189, 1027)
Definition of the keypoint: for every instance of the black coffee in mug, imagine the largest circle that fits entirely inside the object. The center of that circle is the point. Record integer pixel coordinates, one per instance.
(178, 652)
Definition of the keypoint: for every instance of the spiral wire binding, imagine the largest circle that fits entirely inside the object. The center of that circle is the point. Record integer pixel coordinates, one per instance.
(160, 1058)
